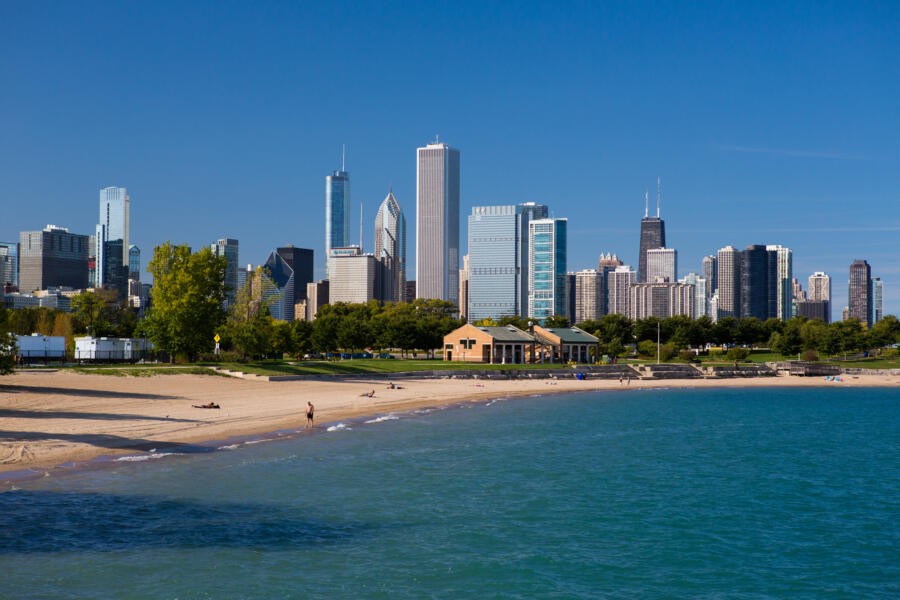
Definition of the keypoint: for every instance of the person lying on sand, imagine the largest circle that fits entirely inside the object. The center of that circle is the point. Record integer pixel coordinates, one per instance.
(391, 386)
(368, 394)
(210, 405)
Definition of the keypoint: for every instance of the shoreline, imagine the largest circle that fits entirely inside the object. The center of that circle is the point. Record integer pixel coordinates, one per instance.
(53, 422)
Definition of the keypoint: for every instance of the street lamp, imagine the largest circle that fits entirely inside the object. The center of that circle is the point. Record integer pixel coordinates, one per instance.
(657, 342)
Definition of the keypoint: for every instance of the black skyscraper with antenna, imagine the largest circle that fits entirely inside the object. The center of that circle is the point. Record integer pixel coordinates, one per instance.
(653, 233)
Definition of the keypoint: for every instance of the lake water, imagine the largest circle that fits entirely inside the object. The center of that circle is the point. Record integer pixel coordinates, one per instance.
(739, 493)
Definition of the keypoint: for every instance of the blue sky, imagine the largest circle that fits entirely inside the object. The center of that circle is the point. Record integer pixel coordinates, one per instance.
(768, 122)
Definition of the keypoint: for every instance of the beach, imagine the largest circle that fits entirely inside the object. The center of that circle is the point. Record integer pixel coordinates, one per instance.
(51, 418)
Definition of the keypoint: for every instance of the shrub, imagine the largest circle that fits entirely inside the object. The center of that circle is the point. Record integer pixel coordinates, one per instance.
(687, 355)
(647, 348)
(715, 354)
(666, 352)
(223, 357)
(738, 354)
(810, 356)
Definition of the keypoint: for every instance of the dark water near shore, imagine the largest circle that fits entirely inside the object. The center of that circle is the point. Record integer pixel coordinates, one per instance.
(740, 493)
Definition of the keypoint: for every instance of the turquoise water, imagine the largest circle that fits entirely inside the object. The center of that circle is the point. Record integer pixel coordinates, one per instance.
(634, 494)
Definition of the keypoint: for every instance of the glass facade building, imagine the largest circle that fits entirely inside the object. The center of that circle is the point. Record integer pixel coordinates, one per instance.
(390, 250)
(52, 257)
(9, 265)
(860, 292)
(229, 247)
(547, 281)
(115, 216)
(877, 299)
(134, 262)
(337, 212)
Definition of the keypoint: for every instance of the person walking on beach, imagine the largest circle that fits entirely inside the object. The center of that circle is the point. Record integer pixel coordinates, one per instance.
(310, 413)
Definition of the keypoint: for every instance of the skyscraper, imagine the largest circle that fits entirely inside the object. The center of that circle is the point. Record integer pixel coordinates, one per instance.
(115, 215)
(463, 303)
(662, 262)
(606, 264)
(547, 243)
(701, 298)
(710, 272)
(390, 250)
(860, 292)
(337, 212)
(755, 282)
(498, 260)
(618, 283)
(661, 299)
(877, 299)
(282, 275)
(316, 297)
(134, 263)
(781, 292)
(820, 290)
(728, 262)
(653, 234)
(52, 257)
(589, 299)
(353, 278)
(437, 222)
(9, 265)
(301, 262)
(228, 247)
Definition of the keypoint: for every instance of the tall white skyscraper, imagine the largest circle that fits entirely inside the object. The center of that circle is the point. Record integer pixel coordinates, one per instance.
(390, 250)
(589, 289)
(662, 262)
(337, 212)
(547, 276)
(437, 222)
(728, 261)
(820, 289)
(115, 216)
(701, 298)
(617, 284)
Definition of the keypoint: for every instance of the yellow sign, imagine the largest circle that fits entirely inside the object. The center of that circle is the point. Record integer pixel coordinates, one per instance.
(217, 338)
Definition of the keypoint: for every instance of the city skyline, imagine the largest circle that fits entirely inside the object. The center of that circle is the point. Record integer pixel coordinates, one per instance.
(747, 167)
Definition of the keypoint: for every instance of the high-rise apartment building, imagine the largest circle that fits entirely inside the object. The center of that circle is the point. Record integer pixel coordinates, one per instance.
(780, 266)
(589, 291)
(316, 298)
(754, 282)
(547, 244)
(728, 261)
(653, 234)
(437, 222)
(52, 257)
(820, 290)
(390, 250)
(570, 297)
(134, 263)
(228, 247)
(115, 215)
(661, 299)
(710, 272)
(337, 212)
(301, 262)
(463, 303)
(607, 263)
(877, 299)
(498, 260)
(9, 265)
(701, 297)
(617, 284)
(662, 262)
(860, 292)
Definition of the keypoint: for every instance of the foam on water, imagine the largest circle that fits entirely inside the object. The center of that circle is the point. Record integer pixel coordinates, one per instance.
(146, 457)
(339, 427)
(383, 418)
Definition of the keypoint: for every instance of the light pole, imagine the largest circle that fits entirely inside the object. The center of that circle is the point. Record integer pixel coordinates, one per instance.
(657, 342)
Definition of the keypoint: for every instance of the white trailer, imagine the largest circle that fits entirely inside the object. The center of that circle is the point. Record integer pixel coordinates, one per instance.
(111, 349)
(41, 347)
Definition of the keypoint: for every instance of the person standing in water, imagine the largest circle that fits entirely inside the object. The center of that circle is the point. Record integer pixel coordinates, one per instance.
(310, 413)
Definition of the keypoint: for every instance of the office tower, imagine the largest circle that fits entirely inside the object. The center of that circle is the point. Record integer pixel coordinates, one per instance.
(820, 290)
(316, 298)
(617, 284)
(701, 295)
(547, 281)
(877, 299)
(710, 272)
(337, 211)
(780, 266)
(115, 215)
(661, 299)
(99, 251)
(653, 234)
(860, 292)
(754, 282)
(52, 257)
(813, 309)
(606, 264)
(9, 265)
(300, 260)
(589, 299)
(243, 276)
(228, 247)
(498, 260)
(113, 272)
(134, 263)
(728, 261)
(282, 276)
(353, 278)
(437, 222)
(390, 249)
(662, 262)
(463, 304)
(570, 297)
(410, 290)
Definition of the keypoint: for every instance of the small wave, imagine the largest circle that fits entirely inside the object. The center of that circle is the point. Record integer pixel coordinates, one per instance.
(143, 457)
(258, 441)
(384, 418)
(229, 447)
(338, 427)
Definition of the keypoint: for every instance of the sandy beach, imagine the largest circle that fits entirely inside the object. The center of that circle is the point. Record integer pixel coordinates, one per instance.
(51, 418)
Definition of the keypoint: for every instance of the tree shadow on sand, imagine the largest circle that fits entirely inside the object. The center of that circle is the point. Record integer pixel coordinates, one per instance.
(9, 413)
(42, 521)
(67, 391)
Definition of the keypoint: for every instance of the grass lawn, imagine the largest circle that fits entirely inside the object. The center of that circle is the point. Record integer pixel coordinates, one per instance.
(143, 370)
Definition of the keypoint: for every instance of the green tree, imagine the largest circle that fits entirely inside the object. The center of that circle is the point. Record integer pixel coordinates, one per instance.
(556, 321)
(515, 321)
(301, 331)
(789, 342)
(723, 331)
(8, 352)
(188, 293)
(885, 332)
(812, 333)
(750, 331)
(618, 327)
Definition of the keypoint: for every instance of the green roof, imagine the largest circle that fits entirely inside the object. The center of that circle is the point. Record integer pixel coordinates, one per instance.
(572, 335)
(508, 333)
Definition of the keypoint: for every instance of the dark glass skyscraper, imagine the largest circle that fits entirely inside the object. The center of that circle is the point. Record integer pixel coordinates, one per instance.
(755, 282)
(300, 260)
(653, 235)
(860, 292)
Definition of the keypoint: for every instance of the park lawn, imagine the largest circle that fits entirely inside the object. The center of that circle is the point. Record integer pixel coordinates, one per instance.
(143, 370)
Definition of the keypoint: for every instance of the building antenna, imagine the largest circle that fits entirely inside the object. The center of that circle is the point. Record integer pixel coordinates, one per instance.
(658, 194)
(343, 156)
(646, 203)
(360, 225)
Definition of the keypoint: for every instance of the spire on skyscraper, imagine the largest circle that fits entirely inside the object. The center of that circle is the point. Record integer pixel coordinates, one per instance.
(646, 203)
(658, 195)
